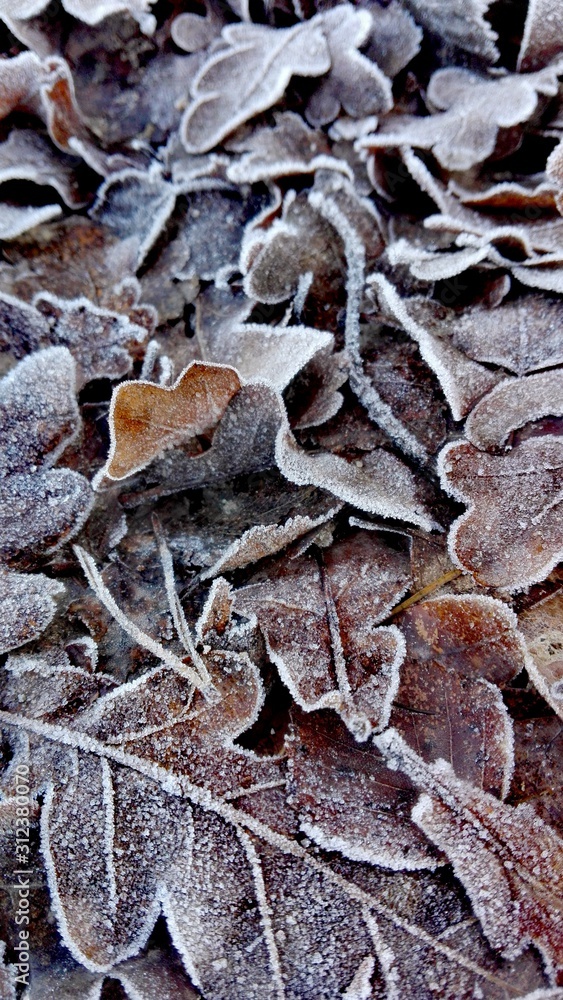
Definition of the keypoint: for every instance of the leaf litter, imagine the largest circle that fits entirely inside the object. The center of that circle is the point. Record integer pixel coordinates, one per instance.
(280, 533)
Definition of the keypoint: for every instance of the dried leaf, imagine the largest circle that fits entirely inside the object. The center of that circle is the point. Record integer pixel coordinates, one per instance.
(319, 616)
(472, 110)
(530, 334)
(97, 338)
(354, 83)
(541, 41)
(27, 607)
(347, 798)
(511, 405)
(265, 540)
(229, 90)
(38, 418)
(264, 353)
(459, 24)
(287, 149)
(145, 419)
(135, 206)
(448, 704)
(394, 38)
(510, 535)
(507, 859)
(27, 156)
(463, 381)
(541, 627)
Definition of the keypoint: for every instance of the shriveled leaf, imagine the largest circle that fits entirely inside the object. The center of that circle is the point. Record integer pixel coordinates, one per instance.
(145, 419)
(511, 534)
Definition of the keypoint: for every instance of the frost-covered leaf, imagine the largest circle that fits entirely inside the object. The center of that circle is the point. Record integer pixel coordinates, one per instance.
(507, 859)
(248, 75)
(463, 381)
(192, 32)
(45, 685)
(145, 419)
(265, 540)
(101, 815)
(27, 607)
(348, 800)
(541, 41)
(93, 12)
(135, 206)
(97, 338)
(458, 23)
(27, 156)
(354, 83)
(320, 614)
(530, 334)
(264, 353)
(542, 628)
(41, 507)
(448, 704)
(16, 219)
(394, 38)
(510, 535)
(472, 109)
(289, 148)
(7, 976)
(511, 405)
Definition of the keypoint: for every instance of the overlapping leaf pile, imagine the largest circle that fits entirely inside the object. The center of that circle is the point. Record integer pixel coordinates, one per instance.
(281, 490)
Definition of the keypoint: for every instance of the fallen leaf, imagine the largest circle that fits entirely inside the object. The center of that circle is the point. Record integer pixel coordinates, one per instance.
(320, 617)
(353, 83)
(507, 859)
(225, 94)
(145, 419)
(28, 607)
(541, 628)
(510, 535)
(512, 404)
(41, 506)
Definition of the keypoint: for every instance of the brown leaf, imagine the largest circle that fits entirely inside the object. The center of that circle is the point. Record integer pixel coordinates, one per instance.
(541, 41)
(448, 706)
(146, 419)
(507, 859)
(347, 798)
(319, 616)
(512, 404)
(510, 535)
(542, 628)
(530, 334)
